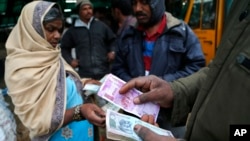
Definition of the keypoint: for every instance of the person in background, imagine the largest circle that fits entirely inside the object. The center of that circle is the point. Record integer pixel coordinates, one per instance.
(104, 15)
(158, 44)
(217, 96)
(94, 43)
(44, 89)
(122, 14)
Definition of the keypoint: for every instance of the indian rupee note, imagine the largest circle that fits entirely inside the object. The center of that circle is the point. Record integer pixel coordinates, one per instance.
(109, 90)
(121, 127)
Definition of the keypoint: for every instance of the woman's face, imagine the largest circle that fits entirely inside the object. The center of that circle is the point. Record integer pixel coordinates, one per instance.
(53, 31)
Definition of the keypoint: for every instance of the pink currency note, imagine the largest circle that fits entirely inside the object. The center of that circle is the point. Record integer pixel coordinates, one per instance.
(109, 90)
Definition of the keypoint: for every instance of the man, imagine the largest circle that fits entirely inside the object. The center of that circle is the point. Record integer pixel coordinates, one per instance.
(122, 14)
(93, 42)
(158, 44)
(217, 96)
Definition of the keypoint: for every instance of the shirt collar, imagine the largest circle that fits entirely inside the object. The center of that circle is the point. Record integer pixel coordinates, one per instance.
(80, 23)
(159, 31)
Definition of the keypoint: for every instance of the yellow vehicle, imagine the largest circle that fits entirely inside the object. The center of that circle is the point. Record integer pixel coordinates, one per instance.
(205, 17)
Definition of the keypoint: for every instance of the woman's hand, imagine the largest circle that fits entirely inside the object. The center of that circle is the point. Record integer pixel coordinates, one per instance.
(90, 81)
(94, 114)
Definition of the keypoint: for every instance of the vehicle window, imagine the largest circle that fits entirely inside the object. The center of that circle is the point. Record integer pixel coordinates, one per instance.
(177, 8)
(209, 14)
(194, 21)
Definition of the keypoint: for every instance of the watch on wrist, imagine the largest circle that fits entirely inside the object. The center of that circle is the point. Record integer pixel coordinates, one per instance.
(77, 113)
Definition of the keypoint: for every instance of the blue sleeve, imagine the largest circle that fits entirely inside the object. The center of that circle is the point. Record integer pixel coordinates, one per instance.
(73, 96)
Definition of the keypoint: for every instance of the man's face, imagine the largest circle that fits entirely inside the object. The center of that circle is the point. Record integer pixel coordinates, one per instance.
(86, 12)
(142, 11)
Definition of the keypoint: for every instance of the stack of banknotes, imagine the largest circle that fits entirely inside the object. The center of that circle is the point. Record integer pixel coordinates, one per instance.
(121, 127)
(109, 91)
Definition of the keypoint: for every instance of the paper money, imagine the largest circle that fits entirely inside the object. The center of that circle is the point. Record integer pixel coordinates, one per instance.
(110, 106)
(121, 127)
(109, 90)
(93, 89)
(90, 89)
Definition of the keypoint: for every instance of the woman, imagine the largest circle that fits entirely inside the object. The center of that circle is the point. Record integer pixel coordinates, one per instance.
(45, 90)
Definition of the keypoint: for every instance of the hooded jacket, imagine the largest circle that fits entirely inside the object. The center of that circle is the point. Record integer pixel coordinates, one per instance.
(218, 95)
(177, 52)
(158, 9)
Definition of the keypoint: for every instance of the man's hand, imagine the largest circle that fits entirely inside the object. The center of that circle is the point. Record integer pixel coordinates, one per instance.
(94, 114)
(149, 119)
(111, 56)
(154, 90)
(147, 135)
(74, 63)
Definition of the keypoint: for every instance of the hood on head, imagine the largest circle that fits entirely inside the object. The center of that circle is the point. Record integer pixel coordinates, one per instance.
(157, 11)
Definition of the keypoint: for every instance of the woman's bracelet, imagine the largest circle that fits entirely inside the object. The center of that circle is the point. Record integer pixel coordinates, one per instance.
(77, 116)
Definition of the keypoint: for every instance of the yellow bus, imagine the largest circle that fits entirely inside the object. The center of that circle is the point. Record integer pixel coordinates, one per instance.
(205, 17)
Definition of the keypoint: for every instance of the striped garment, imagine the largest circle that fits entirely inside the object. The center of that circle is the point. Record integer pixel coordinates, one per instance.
(149, 43)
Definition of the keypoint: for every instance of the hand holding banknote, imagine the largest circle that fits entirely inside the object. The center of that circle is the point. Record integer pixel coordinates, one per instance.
(121, 127)
(149, 119)
(147, 135)
(109, 91)
(154, 90)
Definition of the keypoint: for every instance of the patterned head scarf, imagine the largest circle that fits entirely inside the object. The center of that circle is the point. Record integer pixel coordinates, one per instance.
(35, 72)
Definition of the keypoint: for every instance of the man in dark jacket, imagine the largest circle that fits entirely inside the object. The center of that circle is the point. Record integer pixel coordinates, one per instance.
(158, 44)
(93, 41)
(218, 96)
